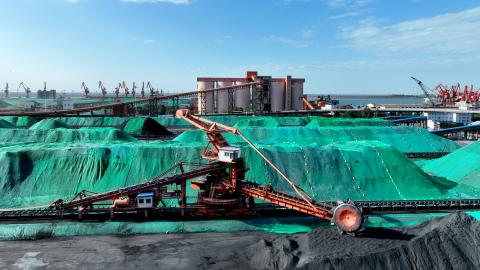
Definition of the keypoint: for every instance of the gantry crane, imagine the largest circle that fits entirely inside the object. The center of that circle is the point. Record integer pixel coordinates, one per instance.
(142, 92)
(103, 89)
(151, 89)
(134, 86)
(85, 89)
(5, 91)
(26, 88)
(117, 89)
(430, 96)
(125, 88)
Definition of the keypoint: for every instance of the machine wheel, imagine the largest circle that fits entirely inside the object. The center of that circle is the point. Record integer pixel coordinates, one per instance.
(348, 218)
(249, 202)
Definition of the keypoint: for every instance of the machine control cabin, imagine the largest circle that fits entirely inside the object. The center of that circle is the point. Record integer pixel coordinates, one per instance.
(146, 200)
(229, 154)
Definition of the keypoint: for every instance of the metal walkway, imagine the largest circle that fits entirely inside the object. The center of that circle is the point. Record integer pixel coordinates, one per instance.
(285, 200)
(456, 129)
(159, 181)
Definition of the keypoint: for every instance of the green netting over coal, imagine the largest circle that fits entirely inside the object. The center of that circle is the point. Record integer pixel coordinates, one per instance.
(171, 121)
(461, 166)
(260, 122)
(63, 135)
(4, 104)
(119, 122)
(77, 122)
(359, 171)
(6, 124)
(314, 121)
(49, 123)
(405, 139)
(41, 173)
(270, 121)
(238, 120)
(145, 127)
(20, 121)
(323, 121)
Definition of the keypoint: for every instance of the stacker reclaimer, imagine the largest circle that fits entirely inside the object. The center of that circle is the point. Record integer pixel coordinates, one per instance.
(223, 192)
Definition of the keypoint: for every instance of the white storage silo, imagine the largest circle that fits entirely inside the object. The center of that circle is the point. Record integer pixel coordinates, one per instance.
(207, 97)
(277, 96)
(242, 97)
(297, 94)
(222, 97)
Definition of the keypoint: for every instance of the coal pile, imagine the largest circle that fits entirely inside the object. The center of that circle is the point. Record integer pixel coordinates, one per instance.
(145, 127)
(451, 242)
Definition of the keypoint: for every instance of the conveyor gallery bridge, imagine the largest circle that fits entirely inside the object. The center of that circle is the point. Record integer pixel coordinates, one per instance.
(125, 108)
(470, 132)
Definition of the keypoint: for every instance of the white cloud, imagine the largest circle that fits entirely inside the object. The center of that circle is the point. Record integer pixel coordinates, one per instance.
(74, 1)
(296, 43)
(148, 41)
(457, 33)
(307, 33)
(176, 2)
(345, 15)
(302, 39)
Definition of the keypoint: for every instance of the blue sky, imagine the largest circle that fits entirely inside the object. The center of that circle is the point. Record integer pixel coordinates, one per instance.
(338, 46)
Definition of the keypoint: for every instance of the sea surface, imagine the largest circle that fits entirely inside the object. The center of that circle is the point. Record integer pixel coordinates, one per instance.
(362, 101)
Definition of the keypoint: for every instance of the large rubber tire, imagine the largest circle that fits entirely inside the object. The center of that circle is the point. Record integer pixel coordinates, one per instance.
(348, 218)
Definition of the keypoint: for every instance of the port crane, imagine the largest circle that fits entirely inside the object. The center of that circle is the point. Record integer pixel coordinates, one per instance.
(5, 90)
(26, 88)
(151, 89)
(125, 88)
(224, 192)
(103, 89)
(142, 92)
(85, 89)
(117, 89)
(134, 86)
(430, 96)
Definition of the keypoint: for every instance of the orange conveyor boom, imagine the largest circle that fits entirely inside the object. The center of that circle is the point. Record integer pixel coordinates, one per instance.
(286, 200)
(307, 104)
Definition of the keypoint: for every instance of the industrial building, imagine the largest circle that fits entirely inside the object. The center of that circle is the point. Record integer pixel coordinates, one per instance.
(47, 94)
(449, 117)
(272, 95)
